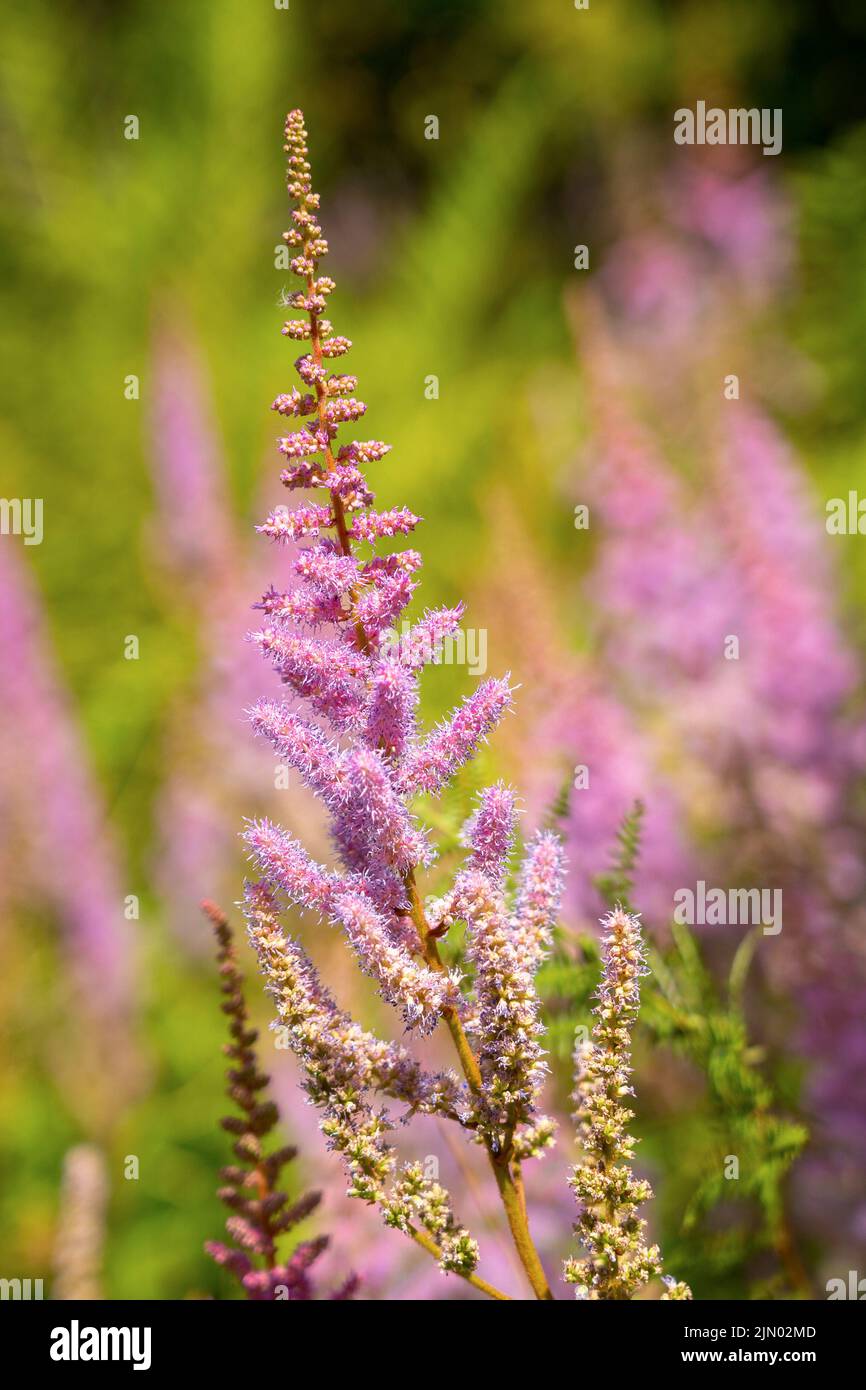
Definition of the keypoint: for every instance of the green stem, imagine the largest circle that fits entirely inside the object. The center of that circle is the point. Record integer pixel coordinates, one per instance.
(509, 1192)
(427, 1243)
(519, 1226)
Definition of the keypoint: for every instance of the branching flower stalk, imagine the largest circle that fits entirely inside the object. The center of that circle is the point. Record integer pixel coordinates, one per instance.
(350, 732)
(619, 1262)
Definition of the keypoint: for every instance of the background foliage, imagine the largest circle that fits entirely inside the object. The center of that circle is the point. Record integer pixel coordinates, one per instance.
(452, 257)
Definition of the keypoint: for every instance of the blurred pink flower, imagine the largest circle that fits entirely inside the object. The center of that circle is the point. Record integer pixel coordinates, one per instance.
(59, 854)
(214, 770)
(717, 619)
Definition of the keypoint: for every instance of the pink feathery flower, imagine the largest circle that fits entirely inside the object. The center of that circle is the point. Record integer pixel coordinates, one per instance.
(286, 864)
(542, 875)
(304, 604)
(355, 742)
(339, 412)
(301, 475)
(378, 607)
(390, 566)
(303, 746)
(787, 619)
(746, 222)
(327, 672)
(326, 1037)
(592, 736)
(619, 1260)
(768, 753)
(424, 641)
(341, 385)
(575, 733)
(368, 451)
(348, 483)
(420, 993)
(302, 443)
(293, 403)
(372, 822)
(508, 1009)
(285, 525)
(57, 850)
(390, 723)
(490, 832)
(322, 566)
(454, 741)
(370, 526)
(194, 512)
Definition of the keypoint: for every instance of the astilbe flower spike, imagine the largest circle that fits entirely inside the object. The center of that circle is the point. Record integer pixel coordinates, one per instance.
(619, 1261)
(350, 730)
(343, 1064)
(261, 1213)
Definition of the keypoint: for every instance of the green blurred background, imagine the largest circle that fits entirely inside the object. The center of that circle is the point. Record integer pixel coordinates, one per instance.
(452, 257)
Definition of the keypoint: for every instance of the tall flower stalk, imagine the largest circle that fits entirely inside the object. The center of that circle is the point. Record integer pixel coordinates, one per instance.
(618, 1262)
(351, 733)
(261, 1212)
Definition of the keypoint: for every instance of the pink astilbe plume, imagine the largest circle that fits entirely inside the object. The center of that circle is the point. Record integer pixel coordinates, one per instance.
(787, 607)
(431, 764)
(58, 853)
(490, 833)
(350, 728)
(507, 1024)
(539, 890)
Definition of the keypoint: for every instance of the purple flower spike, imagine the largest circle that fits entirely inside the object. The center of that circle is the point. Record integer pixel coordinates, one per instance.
(433, 763)
(287, 865)
(542, 876)
(391, 710)
(352, 734)
(490, 832)
(304, 747)
(374, 825)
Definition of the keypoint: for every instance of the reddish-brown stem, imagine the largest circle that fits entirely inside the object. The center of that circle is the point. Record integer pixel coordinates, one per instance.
(336, 502)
